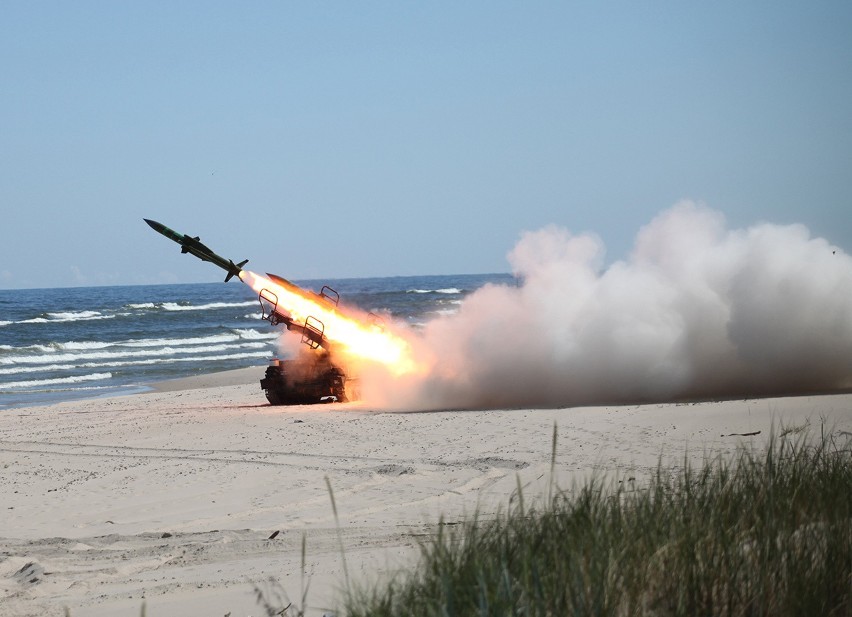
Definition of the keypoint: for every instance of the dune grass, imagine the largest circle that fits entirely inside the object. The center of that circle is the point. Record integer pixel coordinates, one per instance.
(756, 533)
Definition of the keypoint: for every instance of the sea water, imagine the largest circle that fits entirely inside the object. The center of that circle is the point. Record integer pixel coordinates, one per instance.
(70, 343)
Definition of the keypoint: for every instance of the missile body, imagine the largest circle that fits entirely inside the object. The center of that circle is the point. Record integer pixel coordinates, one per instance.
(194, 246)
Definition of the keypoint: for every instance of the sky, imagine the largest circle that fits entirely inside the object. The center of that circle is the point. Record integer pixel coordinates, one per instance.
(335, 140)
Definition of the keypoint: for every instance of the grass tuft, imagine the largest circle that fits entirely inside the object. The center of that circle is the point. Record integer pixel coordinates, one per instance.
(766, 533)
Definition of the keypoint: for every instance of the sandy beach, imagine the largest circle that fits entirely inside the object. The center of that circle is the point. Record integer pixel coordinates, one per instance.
(172, 497)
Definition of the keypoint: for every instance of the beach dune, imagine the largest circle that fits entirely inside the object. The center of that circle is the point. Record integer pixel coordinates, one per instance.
(191, 497)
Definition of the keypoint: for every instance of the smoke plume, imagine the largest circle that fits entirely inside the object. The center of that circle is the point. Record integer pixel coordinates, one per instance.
(696, 311)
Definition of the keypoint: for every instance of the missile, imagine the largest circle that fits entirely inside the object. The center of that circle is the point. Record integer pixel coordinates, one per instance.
(194, 246)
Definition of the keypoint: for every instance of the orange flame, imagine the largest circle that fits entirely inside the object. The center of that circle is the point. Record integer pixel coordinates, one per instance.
(350, 335)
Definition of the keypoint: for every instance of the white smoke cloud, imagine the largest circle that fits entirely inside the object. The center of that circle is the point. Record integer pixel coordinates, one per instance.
(696, 311)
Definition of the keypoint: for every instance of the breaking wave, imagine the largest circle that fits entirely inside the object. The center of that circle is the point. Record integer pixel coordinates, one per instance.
(58, 380)
(230, 337)
(174, 306)
(123, 363)
(67, 317)
(448, 290)
(103, 355)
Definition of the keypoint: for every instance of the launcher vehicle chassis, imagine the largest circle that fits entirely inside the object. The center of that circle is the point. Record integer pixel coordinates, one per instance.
(313, 376)
(300, 382)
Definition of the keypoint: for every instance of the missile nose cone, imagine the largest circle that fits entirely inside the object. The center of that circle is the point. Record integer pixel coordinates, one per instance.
(155, 225)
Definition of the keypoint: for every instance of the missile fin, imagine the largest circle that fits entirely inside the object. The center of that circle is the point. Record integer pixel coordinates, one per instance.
(235, 269)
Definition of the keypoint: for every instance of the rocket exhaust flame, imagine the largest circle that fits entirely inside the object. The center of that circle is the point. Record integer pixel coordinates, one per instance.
(350, 335)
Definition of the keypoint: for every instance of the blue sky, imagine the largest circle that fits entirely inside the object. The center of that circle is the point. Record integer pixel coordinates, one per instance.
(395, 138)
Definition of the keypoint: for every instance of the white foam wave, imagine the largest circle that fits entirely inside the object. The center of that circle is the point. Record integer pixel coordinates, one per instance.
(5, 323)
(39, 348)
(444, 312)
(58, 380)
(253, 335)
(195, 340)
(68, 389)
(50, 368)
(78, 345)
(66, 317)
(447, 290)
(200, 359)
(174, 306)
(106, 355)
(233, 336)
(17, 370)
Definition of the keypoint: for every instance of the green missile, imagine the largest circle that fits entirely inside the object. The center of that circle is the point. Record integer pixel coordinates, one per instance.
(194, 246)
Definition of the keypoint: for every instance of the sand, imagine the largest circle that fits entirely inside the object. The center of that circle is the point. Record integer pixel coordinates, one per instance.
(171, 497)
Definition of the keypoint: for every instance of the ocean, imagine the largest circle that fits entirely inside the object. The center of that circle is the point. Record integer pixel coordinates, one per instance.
(80, 342)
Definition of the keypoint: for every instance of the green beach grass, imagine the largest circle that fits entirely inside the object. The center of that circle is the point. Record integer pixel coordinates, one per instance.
(756, 533)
